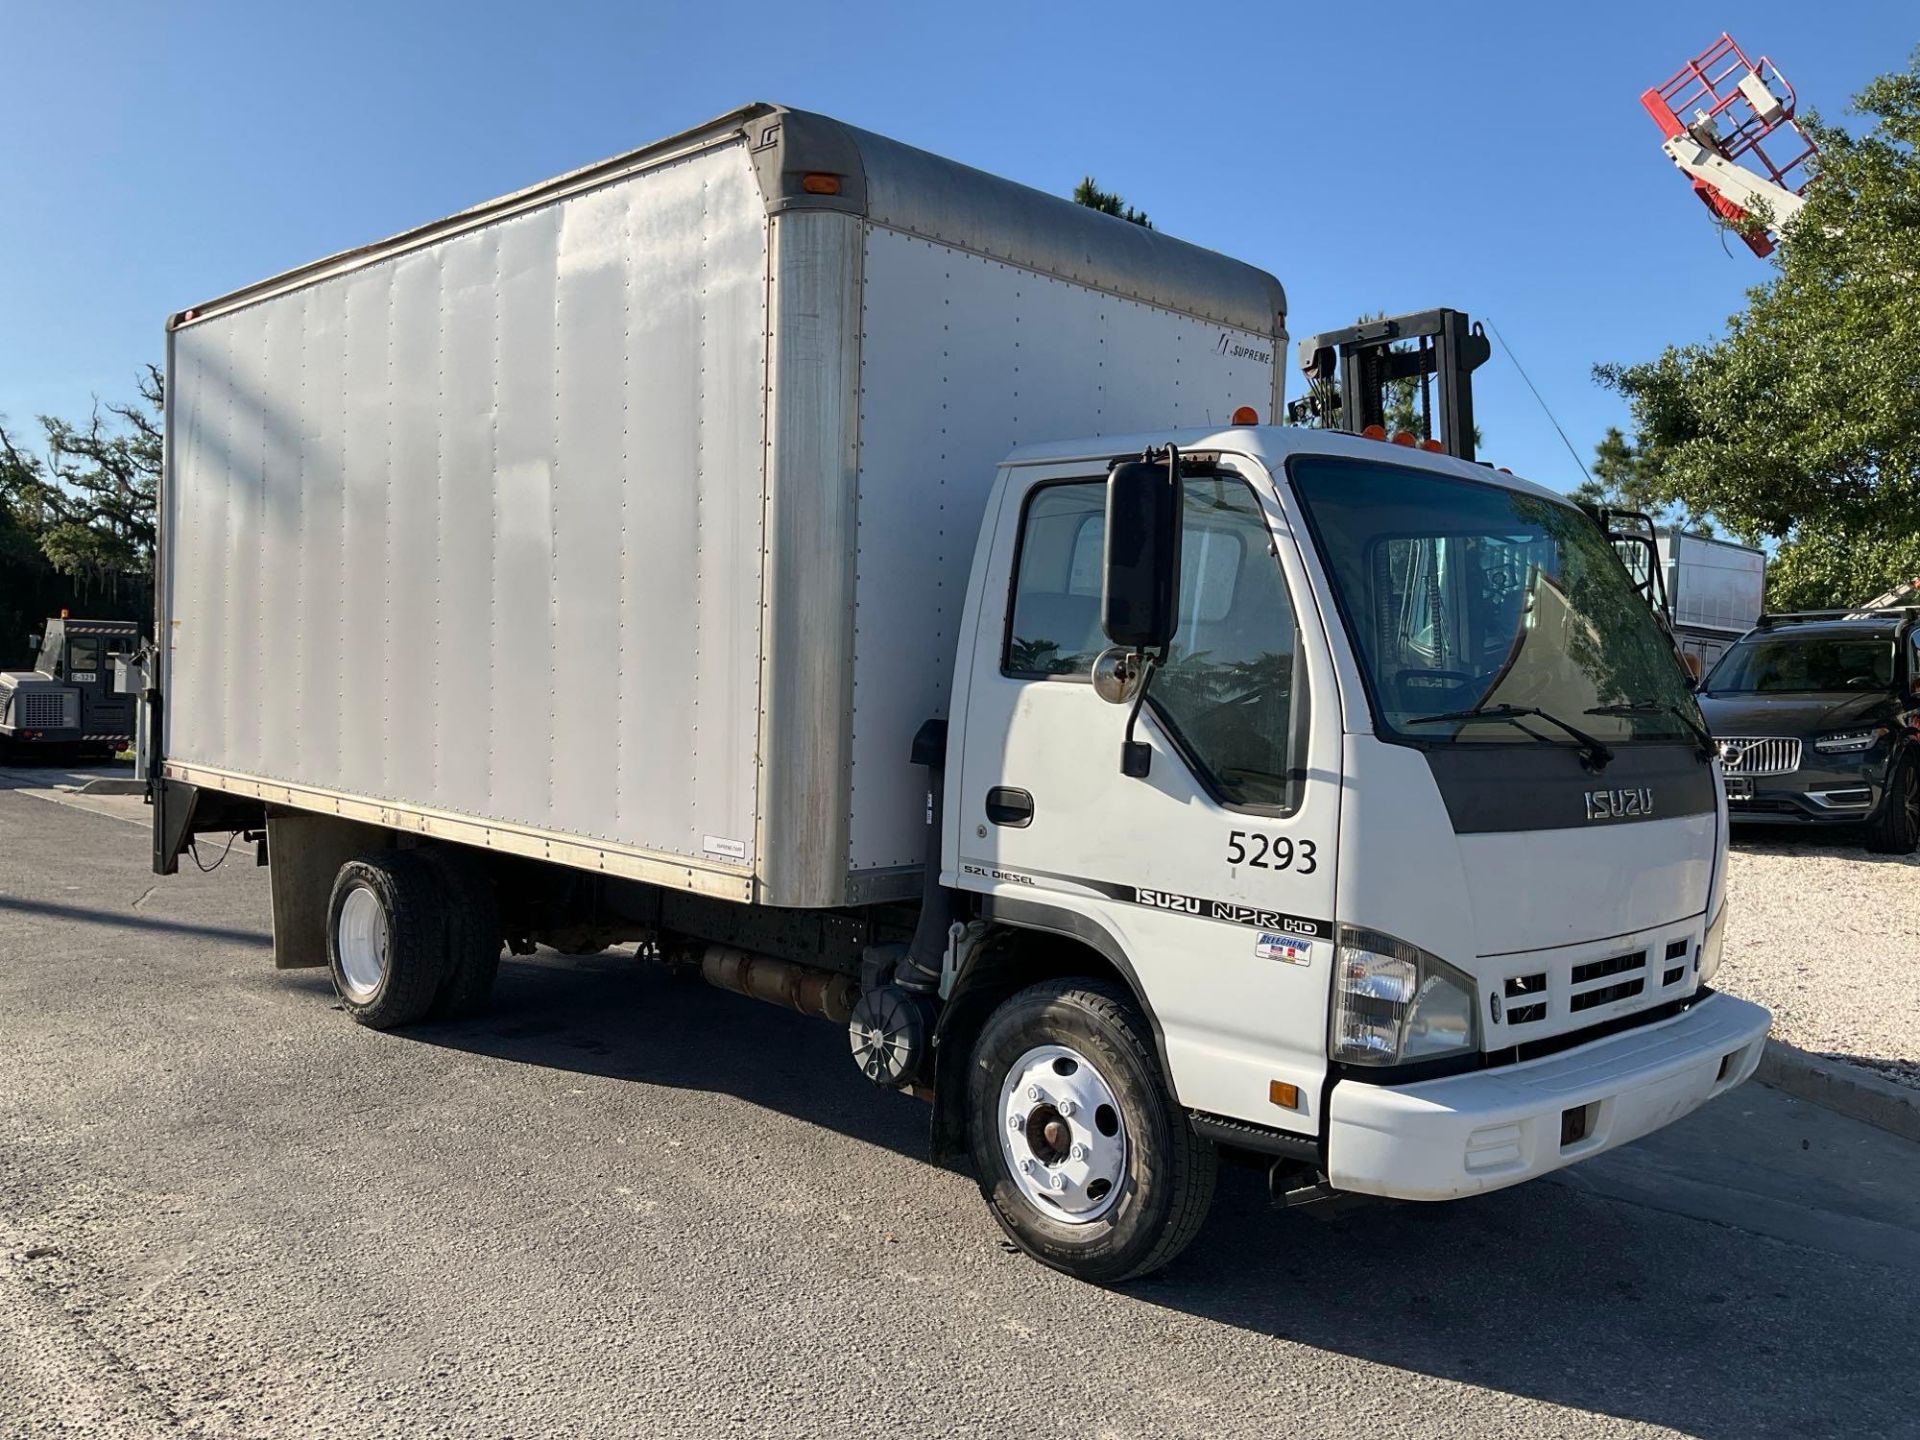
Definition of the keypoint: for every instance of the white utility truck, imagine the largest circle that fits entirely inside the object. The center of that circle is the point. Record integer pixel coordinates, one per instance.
(1717, 589)
(696, 551)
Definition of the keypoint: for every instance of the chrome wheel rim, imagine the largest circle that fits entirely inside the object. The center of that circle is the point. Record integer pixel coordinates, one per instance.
(360, 940)
(1062, 1134)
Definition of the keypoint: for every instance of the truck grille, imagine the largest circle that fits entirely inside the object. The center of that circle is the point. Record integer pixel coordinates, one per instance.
(1762, 755)
(46, 709)
(1555, 993)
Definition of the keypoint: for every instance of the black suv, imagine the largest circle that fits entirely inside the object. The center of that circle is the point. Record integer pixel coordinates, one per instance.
(1817, 720)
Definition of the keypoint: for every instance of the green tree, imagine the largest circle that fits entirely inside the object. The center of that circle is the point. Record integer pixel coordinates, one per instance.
(1801, 425)
(88, 500)
(1620, 480)
(77, 519)
(1107, 203)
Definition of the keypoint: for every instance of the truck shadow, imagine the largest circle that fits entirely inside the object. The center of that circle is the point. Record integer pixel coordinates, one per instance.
(612, 1016)
(1548, 1292)
(1552, 1293)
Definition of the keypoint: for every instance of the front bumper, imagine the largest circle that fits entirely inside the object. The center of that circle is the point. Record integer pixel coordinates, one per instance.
(1835, 790)
(1441, 1139)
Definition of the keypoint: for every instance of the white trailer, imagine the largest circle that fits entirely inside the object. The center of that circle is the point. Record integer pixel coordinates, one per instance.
(688, 551)
(1716, 589)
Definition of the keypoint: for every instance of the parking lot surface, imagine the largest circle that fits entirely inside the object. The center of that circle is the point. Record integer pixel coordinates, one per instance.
(1827, 936)
(622, 1206)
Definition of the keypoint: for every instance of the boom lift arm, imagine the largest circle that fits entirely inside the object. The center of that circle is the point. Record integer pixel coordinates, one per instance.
(1718, 116)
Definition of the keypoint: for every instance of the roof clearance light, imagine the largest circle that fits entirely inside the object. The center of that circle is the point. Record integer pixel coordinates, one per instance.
(1434, 445)
(1403, 437)
(816, 183)
(1246, 415)
(1374, 432)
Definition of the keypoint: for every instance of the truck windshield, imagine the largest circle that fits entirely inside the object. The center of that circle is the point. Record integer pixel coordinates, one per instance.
(1789, 663)
(1461, 595)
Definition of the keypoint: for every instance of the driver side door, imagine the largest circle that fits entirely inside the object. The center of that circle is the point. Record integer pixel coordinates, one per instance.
(1212, 876)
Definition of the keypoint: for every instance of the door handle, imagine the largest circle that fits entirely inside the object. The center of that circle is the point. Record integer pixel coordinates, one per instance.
(1009, 806)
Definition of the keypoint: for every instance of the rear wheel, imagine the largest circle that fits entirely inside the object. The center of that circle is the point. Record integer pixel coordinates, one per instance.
(387, 937)
(1896, 829)
(474, 938)
(1084, 1156)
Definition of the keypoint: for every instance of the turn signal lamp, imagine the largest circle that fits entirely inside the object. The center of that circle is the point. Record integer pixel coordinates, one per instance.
(815, 182)
(1283, 1094)
(1246, 415)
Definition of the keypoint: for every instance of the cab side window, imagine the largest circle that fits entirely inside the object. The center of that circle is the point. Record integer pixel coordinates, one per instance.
(1055, 630)
(1227, 693)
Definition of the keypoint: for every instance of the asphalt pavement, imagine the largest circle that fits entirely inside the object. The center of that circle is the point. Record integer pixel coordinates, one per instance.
(620, 1205)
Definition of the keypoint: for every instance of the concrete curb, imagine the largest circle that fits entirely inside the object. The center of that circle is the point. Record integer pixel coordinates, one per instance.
(114, 787)
(1849, 1090)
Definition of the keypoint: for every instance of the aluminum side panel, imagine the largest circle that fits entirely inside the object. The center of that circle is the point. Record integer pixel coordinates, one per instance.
(812, 467)
(961, 359)
(413, 516)
(476, 529)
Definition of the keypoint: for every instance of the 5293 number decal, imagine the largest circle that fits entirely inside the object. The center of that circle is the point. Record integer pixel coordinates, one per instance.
(1260, 852)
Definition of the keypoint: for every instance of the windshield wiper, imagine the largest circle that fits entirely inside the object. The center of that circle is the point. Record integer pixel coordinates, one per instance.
(1593, 753)
(1702, 739)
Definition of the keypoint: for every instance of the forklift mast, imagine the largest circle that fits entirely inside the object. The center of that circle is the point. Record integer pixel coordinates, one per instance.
(1349, 372)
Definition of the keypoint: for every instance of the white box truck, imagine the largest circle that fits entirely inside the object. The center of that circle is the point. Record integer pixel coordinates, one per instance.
(867, 582)
(1716, 588)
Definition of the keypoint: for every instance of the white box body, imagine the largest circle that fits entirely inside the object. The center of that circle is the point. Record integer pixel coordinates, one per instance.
(626, 522)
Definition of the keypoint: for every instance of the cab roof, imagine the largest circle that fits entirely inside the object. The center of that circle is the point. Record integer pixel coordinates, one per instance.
(1273, 446)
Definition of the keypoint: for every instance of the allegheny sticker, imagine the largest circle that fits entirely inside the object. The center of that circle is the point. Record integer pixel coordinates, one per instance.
(1293, 949)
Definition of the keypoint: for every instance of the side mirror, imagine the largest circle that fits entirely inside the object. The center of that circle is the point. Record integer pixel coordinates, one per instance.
(1140, 585)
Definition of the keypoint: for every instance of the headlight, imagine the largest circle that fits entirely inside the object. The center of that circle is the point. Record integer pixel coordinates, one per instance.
(1710, 947)
(1393, 1002)
(1844, 740)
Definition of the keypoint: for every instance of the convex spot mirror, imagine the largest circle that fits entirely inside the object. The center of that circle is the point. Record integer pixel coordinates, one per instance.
(1140, 582)
(1116, 674)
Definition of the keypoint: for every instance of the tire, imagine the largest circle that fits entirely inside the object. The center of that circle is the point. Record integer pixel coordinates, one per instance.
(387, 923)
(474, 938)
(1084, 1047)
(1896, 829)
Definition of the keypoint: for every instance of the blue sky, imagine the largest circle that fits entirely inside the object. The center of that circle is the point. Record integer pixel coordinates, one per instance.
(1492, 157)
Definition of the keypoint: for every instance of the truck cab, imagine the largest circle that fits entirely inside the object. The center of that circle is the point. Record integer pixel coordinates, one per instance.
(1422, 875)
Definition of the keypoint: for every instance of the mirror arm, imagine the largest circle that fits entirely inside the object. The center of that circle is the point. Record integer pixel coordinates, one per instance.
(1136, 756)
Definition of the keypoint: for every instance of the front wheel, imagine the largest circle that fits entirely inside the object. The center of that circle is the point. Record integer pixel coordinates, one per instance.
(1084, 1156)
